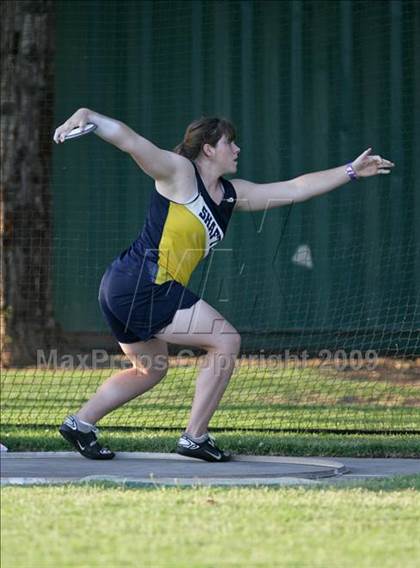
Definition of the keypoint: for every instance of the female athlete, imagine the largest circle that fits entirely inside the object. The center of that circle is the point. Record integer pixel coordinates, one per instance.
(143, 293)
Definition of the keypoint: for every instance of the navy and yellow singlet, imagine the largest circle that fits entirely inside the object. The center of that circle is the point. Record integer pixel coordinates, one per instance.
(145, 286)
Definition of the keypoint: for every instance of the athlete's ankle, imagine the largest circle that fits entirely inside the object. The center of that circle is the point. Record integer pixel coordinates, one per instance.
(83, 425)
(198, 439)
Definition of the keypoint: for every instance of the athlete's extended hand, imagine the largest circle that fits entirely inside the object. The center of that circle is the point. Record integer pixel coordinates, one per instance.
(78, 119)
(366, 165)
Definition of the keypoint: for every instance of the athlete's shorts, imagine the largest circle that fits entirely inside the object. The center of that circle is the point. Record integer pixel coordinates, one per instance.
(136, 308)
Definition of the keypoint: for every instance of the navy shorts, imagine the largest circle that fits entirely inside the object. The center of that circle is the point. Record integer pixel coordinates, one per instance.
(136, 308)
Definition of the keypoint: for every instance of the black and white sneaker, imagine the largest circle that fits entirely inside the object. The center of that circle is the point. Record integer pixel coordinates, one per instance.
(84, 442)
(206, 450)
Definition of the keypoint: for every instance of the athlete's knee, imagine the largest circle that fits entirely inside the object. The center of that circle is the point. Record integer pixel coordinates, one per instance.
(229, 342)
(154, 368)
(225, 351)
(236, 342)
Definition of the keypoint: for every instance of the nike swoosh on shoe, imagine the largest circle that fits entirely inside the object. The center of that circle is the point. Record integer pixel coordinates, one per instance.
(214, 455)
(71, 423)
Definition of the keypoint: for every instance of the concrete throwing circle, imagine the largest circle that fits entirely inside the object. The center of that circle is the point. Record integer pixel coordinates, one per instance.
(154, 469)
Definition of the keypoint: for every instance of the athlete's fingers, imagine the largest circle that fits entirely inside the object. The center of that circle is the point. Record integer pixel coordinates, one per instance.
(64, 130)
(364, 154)
(382, 161)
(57, 135)
(361, 159)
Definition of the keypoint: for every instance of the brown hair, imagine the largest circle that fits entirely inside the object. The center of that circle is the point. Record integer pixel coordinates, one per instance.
(205, 130)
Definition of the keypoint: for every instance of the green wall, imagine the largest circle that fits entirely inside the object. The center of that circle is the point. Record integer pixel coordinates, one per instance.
(310, 85)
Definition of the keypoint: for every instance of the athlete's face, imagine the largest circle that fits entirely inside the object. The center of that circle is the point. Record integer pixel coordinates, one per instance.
(227, 155)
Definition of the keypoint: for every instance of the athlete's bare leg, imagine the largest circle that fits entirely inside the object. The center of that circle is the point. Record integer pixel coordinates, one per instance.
(150, 364)
(202, 326)
(199, 326)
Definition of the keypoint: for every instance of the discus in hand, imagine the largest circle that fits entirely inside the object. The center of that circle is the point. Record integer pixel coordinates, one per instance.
(77, 132)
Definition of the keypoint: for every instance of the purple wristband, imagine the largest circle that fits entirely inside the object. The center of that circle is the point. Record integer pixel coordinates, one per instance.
(350, 172)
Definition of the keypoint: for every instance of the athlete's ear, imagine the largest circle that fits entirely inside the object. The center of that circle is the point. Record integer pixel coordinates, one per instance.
(208, 150)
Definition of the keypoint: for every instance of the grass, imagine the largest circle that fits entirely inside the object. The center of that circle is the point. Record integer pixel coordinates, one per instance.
(367, 526)
(263, 443)
(257, 399)
(261, 399)
(353, 523)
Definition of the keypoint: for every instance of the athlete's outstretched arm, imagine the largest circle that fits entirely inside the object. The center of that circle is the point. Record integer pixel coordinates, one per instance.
(254, 197)
(155, 162)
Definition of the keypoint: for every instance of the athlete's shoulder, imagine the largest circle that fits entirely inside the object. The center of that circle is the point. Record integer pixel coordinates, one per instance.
(243, 187)
(241, 184)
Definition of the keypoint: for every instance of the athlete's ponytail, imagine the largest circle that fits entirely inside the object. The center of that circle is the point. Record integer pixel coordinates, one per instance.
(205, 130)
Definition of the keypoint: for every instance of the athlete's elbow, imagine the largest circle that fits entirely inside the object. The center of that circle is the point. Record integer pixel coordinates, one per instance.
(299, 191)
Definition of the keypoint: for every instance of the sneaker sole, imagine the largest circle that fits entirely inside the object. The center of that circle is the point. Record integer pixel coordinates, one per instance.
(191, 454)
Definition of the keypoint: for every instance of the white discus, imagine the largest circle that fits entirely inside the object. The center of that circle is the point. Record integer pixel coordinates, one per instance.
(76, 132)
